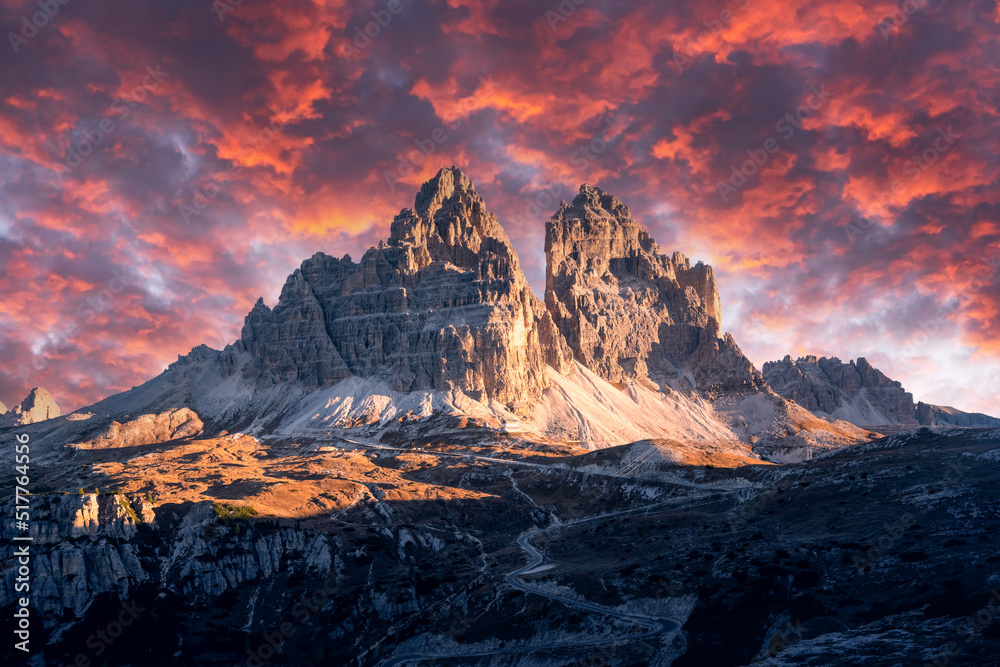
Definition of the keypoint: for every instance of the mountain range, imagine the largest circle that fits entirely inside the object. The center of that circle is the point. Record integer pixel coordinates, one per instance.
(439, 321)
(358, 478)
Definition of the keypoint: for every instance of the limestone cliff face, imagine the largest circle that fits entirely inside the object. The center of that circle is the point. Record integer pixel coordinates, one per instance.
(629, 311)
(85, 546)
(37, 406)
(442, 305)
(855, 391)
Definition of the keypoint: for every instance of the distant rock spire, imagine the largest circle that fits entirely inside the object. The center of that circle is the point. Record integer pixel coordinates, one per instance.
(37, 406)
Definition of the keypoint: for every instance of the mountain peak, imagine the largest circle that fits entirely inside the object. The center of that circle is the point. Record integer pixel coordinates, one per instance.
(600, 202)
(443, 305)
(450, 182)
(450, 220)
(37, 396)
(598, 228)
(37, 406)
(627, 309)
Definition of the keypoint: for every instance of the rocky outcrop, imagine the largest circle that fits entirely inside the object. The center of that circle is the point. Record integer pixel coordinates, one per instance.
(202, 567)
(943, 415)
(442, 305)
(37, 406)
(628, 311)
(85, 546)
(147, 429)
(855, 391)
(81, 548)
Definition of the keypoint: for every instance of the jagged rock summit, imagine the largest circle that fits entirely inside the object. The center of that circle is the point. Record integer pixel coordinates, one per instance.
(859, 393)
(37, 406)
(443, 305)
(632, 313)
(629, 311)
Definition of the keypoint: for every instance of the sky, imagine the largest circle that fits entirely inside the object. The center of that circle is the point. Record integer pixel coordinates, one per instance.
(166, 163)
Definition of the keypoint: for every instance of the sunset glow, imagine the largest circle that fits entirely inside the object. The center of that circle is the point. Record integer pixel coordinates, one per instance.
(165, 164)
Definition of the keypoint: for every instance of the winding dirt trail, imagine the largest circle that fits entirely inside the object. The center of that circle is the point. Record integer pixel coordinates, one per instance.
(655, 624)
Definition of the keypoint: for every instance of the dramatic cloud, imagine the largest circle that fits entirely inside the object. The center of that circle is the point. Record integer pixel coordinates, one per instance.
(167, 163)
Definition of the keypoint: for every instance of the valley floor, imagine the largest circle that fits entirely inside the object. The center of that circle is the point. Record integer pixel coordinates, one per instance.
(472, 549)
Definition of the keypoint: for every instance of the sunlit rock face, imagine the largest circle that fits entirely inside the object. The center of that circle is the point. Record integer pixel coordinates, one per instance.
(629, 311)
(37, 406)
(442, 305)
(173, 424)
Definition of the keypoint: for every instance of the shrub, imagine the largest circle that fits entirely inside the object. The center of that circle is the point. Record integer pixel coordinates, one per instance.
(226, 512)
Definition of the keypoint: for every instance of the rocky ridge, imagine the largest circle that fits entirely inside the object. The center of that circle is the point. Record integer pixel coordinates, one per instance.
(943, 415)
(66, 579)
(859, 393)
(148, 429)
(855, 391)
(86, 547)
